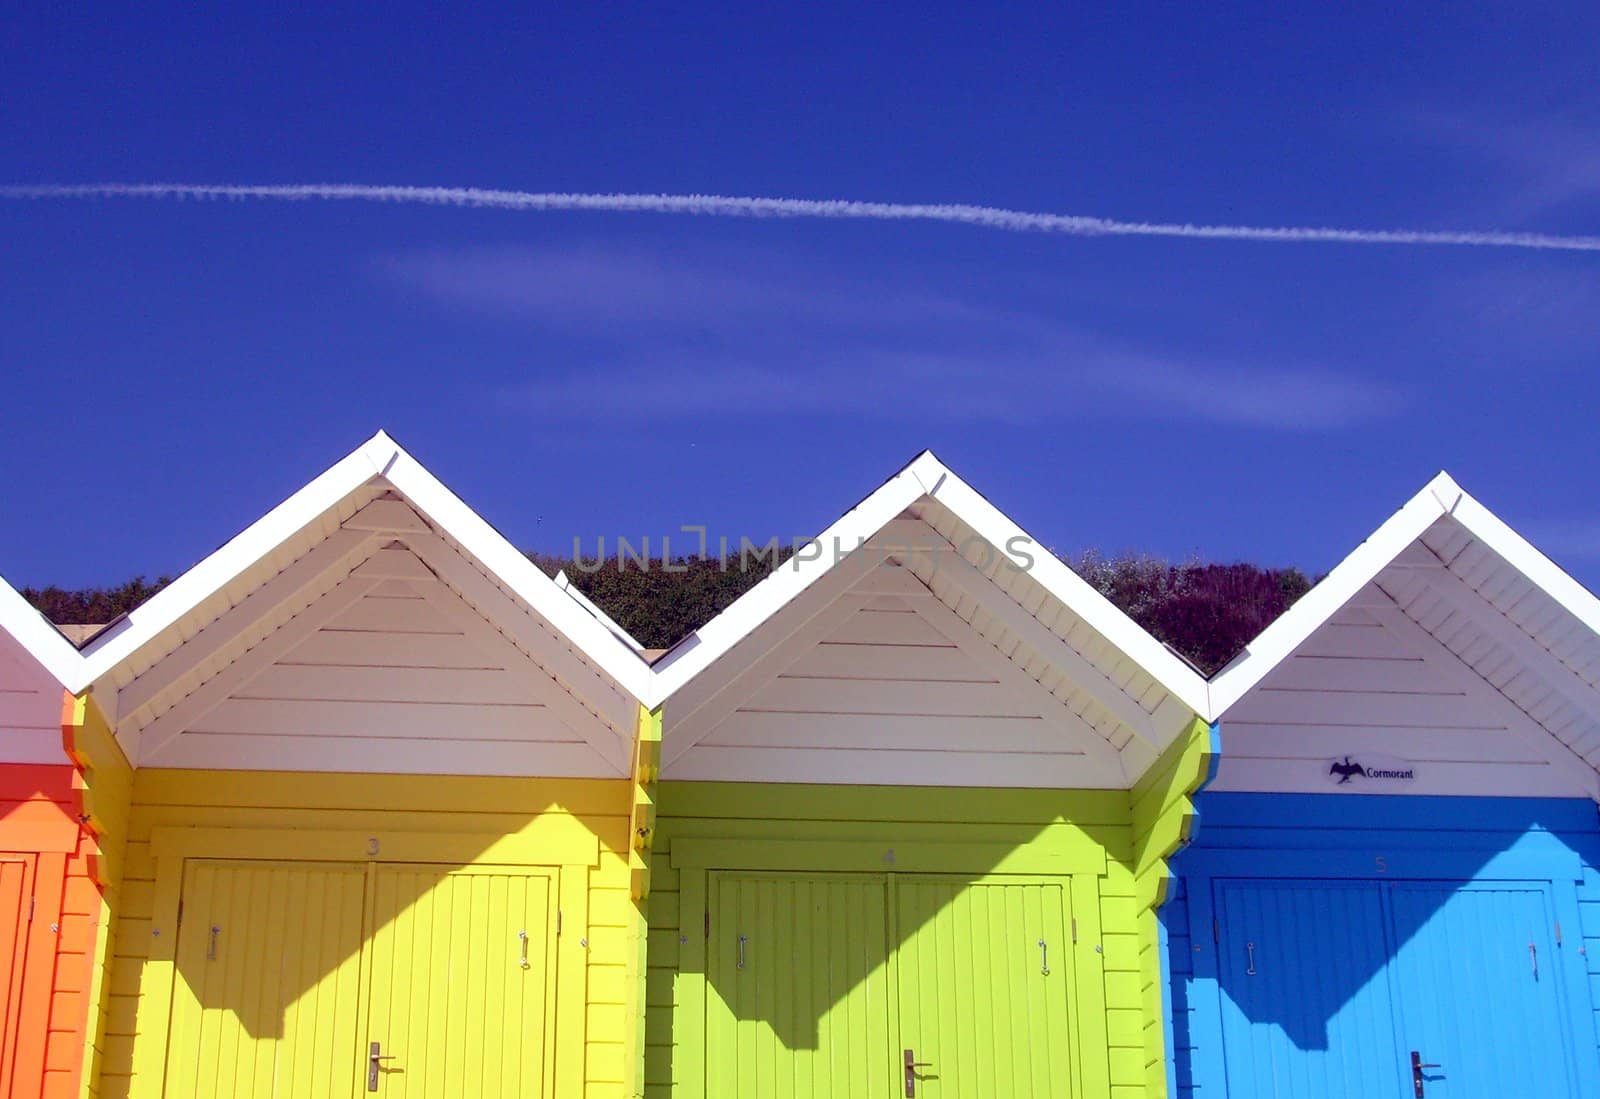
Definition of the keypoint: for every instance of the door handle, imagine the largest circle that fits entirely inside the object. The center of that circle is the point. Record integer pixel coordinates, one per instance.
(912, 1064)
(1417, 1065)
(375, 1059)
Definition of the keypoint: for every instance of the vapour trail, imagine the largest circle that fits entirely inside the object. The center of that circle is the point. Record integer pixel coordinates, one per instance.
(984, 217)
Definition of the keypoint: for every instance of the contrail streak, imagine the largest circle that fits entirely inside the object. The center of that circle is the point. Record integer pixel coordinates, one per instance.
(984, 217)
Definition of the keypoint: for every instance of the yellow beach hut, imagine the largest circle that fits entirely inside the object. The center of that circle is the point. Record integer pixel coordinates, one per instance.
(377, 840)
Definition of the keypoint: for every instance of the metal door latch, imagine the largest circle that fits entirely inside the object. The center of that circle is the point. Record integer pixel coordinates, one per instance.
(1417, 1065)
(375, 1059)
(912, 1064)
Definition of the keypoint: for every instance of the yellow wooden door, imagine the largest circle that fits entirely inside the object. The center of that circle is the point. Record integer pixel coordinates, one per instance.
(461, 985)
(983, 988)
(798, 1002)
(268, 960)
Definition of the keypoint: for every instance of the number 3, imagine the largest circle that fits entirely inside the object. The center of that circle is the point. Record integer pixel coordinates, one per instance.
(372, 846)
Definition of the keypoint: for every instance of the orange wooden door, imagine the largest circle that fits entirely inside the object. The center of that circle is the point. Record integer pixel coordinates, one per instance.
(16, 887)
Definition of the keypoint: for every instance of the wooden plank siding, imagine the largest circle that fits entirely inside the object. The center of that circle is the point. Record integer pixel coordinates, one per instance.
(1163, 823)
(591, 1054)
(105, 784)
(54, 963)
(852, 827)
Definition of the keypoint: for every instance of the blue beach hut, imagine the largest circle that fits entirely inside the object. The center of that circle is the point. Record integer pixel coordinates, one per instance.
(1393, 886)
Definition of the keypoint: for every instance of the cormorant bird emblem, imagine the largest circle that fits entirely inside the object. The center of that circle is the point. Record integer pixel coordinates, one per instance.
(1345, 770)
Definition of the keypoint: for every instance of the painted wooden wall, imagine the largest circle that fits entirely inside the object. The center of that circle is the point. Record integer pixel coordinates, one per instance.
(105, 789)
(52, 904)
(1163, 822)
(48, 906)
(1367, 839)
(950, 830)
(500, 821)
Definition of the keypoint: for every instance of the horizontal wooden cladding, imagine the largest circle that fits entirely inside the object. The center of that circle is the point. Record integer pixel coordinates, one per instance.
(1247, 739)
(794, 801)
(979, 767)
(346, 648)
(546, 839)
(366, 792)
(886, 732)
(359, 683)
(892, 625)
(972, 698)
(1534, 779)
(423, 720)
(468, 758)
(907, 856)
(891, 663)
(1446, 710)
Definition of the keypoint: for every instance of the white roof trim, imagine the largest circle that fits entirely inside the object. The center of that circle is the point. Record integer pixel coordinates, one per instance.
(564, 582)
(925, 476)
(42, 640)
(1438, 498)
(378, 456)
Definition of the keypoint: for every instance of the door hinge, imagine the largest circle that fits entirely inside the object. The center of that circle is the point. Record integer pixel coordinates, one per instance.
(708, 923)
(1074, 929)
(32, 903)
(558, 921)
(1558, 932)
(180, 913)
(1216, 932)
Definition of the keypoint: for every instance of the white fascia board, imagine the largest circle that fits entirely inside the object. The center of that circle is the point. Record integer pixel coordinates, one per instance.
(740, 618)
(512, 568)
(217, 570)
(1077, 594)
(1313, 609)
(1523, 556)
(564, 582)
(42, 640)
(382, 457)
(925, 476)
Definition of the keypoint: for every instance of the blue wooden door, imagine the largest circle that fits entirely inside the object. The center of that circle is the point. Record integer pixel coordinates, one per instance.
(1326, 987)
(1306, 1009)
(1477, 985)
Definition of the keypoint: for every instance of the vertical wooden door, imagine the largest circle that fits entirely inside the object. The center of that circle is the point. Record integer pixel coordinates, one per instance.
(1478, 981)
(460, 973)
(984, 987)
(797, 1004)
(268, 961)
(16, 878)
(1306, 1007)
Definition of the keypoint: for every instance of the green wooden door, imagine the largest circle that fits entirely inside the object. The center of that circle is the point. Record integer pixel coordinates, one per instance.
(982, 972)
(798, 1004)
(819, 984)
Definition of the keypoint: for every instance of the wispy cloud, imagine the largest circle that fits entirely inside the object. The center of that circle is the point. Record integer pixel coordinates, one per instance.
(1546, 163)
(745, 206)
(744, 337)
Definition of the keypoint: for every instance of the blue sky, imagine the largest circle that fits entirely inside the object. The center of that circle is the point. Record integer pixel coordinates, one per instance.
(172, 369)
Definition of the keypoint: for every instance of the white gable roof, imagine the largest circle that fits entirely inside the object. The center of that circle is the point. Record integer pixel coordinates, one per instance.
(1493, 657)
(927, 548)
(38, 638)
(35, 664)
(244, 639)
